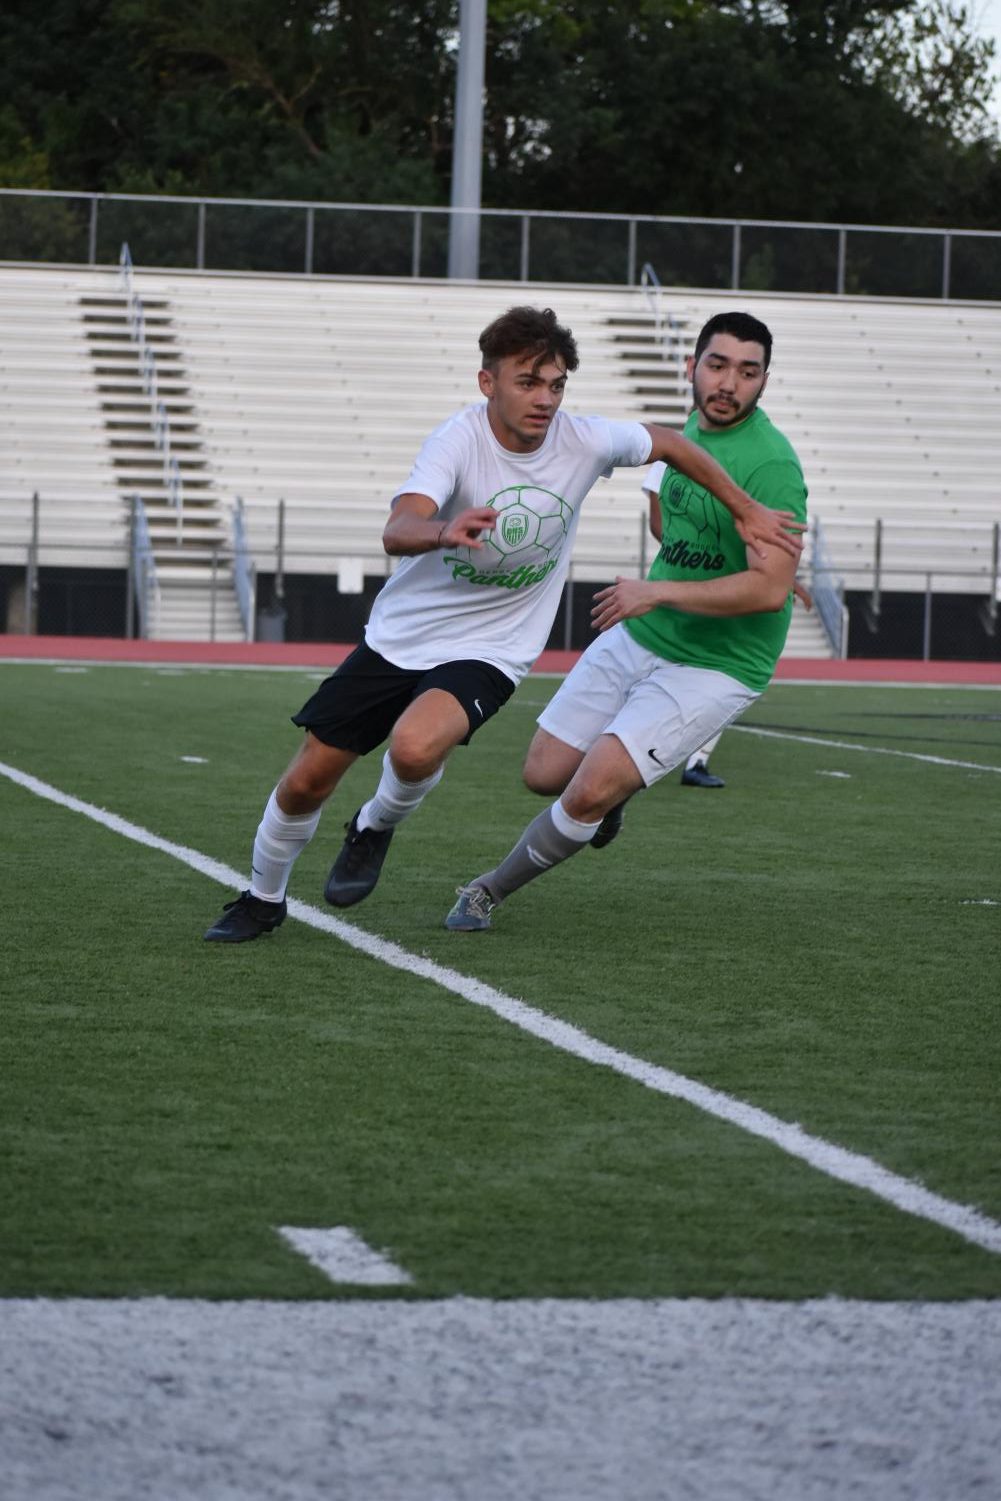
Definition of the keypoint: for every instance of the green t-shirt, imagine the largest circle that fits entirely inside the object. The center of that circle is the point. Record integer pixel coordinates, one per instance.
(700, 541)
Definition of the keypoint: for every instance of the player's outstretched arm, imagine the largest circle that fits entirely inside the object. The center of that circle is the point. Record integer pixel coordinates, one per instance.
(415, 526)
(762, 587)
(758, 526)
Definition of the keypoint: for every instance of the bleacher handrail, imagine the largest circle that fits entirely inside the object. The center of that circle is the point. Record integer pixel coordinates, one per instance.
(147, 375)
(135, 315)
(828, 591)
(667, 329)
(244, 571)
(125, 267)
(144, 586)
(175, 491)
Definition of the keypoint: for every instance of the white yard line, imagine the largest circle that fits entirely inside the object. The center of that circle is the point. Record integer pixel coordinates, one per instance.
(342, 1255)
(836, 1162)
(870, 750)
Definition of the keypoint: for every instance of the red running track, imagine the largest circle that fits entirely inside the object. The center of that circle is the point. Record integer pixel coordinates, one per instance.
(320, 654)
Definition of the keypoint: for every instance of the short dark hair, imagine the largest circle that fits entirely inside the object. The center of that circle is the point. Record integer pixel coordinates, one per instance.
(741, 326)
(528, 331)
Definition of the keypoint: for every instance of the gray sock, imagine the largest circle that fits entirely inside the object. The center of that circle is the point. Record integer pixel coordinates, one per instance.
(541, 846)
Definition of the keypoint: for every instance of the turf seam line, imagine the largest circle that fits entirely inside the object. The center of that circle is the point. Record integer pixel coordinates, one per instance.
(836, 1162)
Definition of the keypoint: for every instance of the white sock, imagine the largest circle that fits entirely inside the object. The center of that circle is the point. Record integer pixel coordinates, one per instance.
(572, 828)
(281, 839)
(701, 756)
(395, 800)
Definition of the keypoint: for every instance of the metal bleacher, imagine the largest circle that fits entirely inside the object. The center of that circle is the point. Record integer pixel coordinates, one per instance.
(317, 392)
(53, 432)
(321, 393)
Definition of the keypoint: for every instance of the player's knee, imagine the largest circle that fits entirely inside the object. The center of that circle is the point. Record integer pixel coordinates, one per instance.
(299, 792)
(584, 804)
(308, 782)
(414, 755)
(548, 767)
(539, 778)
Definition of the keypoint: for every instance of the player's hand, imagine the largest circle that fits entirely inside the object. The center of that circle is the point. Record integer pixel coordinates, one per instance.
(621, 601)
(465, 529)
(802, 593)
(759, 528)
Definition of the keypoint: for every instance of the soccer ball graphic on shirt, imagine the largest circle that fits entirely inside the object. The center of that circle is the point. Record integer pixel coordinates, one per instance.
(531, 528)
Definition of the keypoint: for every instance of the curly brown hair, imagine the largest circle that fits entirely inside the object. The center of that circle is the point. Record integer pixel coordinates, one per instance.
(529, 331)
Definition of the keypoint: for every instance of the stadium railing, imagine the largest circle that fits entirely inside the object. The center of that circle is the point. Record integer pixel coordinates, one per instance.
(361, 239)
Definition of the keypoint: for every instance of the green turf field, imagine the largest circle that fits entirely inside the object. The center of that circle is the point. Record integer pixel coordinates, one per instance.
(822, 939)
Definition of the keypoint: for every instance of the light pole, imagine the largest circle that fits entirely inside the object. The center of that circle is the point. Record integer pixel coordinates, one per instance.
(467, 146)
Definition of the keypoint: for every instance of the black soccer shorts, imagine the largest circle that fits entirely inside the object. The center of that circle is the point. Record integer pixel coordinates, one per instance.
(356, 707)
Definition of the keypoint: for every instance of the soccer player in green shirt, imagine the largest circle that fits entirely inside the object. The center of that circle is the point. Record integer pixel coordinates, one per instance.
(680, 654)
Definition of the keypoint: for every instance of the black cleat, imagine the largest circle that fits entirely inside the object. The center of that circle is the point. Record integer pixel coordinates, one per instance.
(699, 775)
(609, 827)
(248, 917)
(356, 869)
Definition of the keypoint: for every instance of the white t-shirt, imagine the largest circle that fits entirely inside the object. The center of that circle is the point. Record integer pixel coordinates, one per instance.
(654, 477)
(496, 603)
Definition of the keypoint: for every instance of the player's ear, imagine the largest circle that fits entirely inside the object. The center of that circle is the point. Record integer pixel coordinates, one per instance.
(486, 382)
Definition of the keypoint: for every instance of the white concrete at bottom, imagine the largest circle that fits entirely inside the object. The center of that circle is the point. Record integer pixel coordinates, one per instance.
(471, 1400)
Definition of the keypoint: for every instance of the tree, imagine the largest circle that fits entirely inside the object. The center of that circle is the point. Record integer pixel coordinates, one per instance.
(756, 109)
(311, 97)
(847, 110)
(933, 63)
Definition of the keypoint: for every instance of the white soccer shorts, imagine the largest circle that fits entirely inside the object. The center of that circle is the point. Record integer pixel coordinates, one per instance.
(660, 711)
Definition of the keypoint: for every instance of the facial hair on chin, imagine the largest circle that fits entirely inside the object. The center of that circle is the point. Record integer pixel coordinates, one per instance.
(735, 414)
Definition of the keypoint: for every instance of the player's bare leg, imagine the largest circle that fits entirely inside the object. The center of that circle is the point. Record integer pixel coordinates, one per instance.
(550, 765)
(312, 775)
(288, 824)
(606, 776)
(422, 739)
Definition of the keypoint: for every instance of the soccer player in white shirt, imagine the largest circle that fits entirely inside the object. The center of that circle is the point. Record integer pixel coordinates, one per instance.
(485, 523)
